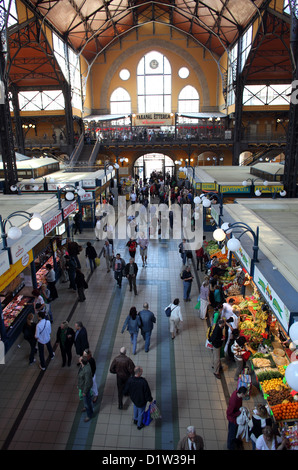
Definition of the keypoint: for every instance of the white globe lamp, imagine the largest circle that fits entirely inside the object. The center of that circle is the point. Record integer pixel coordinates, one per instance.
(14, 233)
(219, 235)
(233, 244)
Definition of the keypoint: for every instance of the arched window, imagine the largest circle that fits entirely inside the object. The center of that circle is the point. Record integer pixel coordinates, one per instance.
(188, 100)
(154, 84)
(120, 102)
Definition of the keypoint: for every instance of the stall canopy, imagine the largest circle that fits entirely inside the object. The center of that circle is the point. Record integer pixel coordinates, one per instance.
(104, 117)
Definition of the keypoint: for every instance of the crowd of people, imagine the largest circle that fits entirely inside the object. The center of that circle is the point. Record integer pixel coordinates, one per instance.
(223, 333)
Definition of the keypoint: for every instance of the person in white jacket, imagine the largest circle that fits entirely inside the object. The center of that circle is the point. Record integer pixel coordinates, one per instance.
(175, 318)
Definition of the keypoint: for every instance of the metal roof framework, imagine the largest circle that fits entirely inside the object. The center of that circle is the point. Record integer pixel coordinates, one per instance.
(91, 27)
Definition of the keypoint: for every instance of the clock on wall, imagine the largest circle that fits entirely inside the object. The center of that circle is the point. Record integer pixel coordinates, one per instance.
(153, 64)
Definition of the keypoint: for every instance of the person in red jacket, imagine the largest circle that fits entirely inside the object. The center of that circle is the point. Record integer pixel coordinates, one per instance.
(233, 411)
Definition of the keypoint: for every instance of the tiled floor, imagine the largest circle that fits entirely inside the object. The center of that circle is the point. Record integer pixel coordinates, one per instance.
(41, 410)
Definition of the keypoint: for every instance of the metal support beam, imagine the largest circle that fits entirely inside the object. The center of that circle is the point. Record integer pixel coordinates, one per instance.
(291, 153)
(6, 134)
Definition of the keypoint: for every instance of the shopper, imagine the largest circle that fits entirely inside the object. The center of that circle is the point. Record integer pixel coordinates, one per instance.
(233, 411)
(131, 271)
(192, 441)
(138, 390)
(217, 340)
(118, 267)
(29, 329)
(271, 440)
(132, 323)
(108, 254)
(43, 337)
(175, 318)
(71, 266)
(91, 254)
(46, 295)
(85, 384)
(259, 419)
(81, 285)
(51, 281)
(123, 367)
(65, 338)
(88, 355)
(81, 338)
(147, 323)
(204, 299)
(187, 278)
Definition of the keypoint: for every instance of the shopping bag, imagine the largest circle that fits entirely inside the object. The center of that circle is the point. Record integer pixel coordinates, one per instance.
(198, 305)
(154, 410)
(208, 345)
(146, 417)
(97, 261)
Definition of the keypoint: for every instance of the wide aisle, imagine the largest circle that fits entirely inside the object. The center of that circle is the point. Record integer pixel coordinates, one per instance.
(41, 410)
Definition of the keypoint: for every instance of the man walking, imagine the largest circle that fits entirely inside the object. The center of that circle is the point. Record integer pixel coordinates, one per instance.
(138, 390)
(81, 338)
(147, 322)
(43, 337)
(118, 266)
(85, 383)
(187, 278)
(123, 367)
(131, 271)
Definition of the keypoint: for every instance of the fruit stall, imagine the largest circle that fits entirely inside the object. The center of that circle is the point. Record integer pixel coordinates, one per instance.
(271, 362)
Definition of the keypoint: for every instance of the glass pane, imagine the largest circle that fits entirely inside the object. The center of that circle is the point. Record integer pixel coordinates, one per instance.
(167, 104)
(140, 85)
(167, 84)
(154, 104)
(140, 67)
(141, 104)
(154, 85)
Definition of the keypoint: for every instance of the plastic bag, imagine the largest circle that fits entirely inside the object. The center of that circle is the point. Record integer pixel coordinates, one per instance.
(154, 411)
(97, 261)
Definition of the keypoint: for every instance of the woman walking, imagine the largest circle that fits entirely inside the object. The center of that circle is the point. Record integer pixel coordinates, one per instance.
(175, 318)
(132, 324)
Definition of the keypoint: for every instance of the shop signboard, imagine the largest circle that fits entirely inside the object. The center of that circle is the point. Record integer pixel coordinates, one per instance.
(15, 270)
(277, 306)
(244, 259)
(69, 209)
(276, 188)
(88, 196)
(30, 238)
(208, 186)
(4, 261)
(239, 189)
(55, 220)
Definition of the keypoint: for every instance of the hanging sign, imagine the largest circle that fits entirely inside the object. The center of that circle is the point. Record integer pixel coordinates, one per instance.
(153, 119)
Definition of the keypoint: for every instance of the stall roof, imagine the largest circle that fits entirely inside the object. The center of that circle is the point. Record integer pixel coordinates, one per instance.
(232, 174)
(277, 220)
(33, 163)
(104, 117)
(203, 115)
